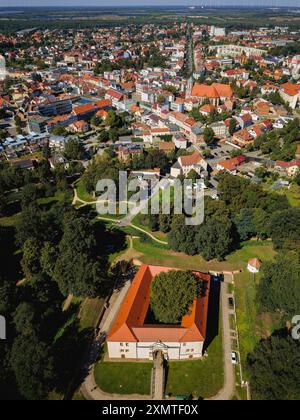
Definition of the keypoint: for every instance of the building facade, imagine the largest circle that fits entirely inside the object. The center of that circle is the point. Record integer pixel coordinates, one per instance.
(132, 337)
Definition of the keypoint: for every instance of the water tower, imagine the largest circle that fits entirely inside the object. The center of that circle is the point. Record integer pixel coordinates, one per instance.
(2, 68)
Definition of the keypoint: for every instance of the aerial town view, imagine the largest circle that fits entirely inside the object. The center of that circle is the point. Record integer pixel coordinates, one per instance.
(150, 202)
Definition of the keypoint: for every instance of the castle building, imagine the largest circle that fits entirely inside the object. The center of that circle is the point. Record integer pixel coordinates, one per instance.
(133, 336)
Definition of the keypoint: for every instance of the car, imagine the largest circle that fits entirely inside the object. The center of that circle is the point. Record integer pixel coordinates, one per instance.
(234, 359)
(231, 302)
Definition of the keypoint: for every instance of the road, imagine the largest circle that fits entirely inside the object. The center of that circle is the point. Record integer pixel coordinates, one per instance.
(229, 383)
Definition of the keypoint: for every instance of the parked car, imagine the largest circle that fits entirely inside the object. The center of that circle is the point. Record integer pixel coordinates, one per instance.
(231, 302)
(234, 358)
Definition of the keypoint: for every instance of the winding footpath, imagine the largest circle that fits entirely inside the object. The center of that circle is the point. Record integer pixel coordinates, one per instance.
(90, 389)
(126, 221)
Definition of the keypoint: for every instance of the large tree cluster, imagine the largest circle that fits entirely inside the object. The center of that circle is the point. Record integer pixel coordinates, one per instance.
(172, 295)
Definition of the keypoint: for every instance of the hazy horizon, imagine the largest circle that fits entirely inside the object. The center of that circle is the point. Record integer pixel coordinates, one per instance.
(141, 3)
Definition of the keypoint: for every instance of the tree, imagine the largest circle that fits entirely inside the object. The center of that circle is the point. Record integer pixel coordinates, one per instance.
(275, 369)
(261, 220)
(232, 126)
(33, 367)
(24, 318)
(29, 195)
(31, 258)
(172, 294)
(285, 229)
(3, 205)
(279, 288)
(165, 221)
(209, 135)
(193, 175)
(103, 136)
(78, 269)
(215, 238)
(48, 258)
(7, 296)
(245, 224)
(182, 237)
(74, 150)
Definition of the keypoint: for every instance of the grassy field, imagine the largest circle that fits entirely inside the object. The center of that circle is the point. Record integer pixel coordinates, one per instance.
(82, 192)
(200, 378)
(10, 221)
(59, 196)
(124, 378)
(252, 327)
(157, 254)
(89, 312)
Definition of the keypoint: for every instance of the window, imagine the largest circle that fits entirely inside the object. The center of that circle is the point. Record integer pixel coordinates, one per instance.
(184, 344)
(127, 344)
(121, 344)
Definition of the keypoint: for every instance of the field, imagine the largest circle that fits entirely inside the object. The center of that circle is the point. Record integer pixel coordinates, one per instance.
(124, 378)
(157, 254)
(200, 378)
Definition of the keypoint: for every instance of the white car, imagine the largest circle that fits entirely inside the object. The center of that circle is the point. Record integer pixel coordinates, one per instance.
(234, 358)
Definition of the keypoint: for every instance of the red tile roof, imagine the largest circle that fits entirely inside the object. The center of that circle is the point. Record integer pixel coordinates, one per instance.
(215, 91)
(129, 324)
(191, 160)
(291, 89)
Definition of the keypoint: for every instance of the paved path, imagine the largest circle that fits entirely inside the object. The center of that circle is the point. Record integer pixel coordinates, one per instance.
(149, 234)
(89, 388)
(229, 385)
(159, 377)
(126, 221)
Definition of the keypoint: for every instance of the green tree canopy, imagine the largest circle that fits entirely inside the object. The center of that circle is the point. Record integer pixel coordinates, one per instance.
(172, 294)
(275, 369)
(279, 288)
(33, 366)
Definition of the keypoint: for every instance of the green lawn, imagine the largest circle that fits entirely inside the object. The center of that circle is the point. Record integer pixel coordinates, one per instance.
(252, 326)
(200, 378)
(89, 312)
(10, 221)
(124, 378)
(59, 196)
(157, 254)
(82, 192)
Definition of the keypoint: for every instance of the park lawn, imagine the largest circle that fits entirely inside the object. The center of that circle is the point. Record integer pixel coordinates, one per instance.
(89, 313)
(10, 221)
(157, 254)
(82, 193)
(200, 378)
(59, 196)
(124, 378)
(252, 327)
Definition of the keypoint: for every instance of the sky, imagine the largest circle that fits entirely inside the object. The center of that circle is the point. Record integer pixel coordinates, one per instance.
(17, 3)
